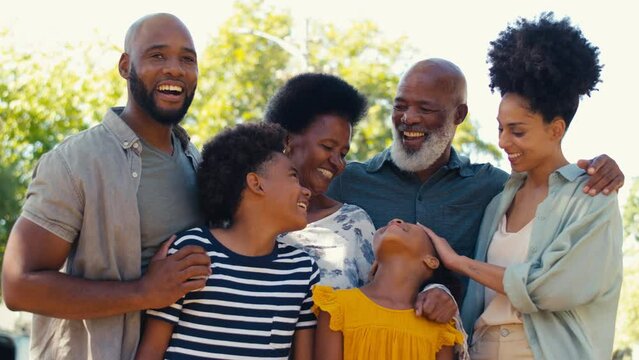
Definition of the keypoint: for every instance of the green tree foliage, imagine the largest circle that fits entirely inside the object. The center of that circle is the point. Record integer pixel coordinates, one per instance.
(631, 212)
(467, 141)
(240, 70)
(46, 96)
(627, 327)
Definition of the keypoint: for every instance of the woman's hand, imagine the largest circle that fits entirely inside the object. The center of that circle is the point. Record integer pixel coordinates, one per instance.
(489, 275)
(446, 254)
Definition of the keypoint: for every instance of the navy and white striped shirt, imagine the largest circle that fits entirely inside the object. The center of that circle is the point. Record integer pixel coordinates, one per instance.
(250, 307)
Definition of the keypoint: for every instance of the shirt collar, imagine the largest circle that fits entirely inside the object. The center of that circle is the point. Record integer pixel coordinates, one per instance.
(127, 137)
(569, 172)
(455, 162)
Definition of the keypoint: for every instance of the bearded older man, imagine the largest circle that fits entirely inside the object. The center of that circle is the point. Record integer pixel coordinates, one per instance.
(421, 178)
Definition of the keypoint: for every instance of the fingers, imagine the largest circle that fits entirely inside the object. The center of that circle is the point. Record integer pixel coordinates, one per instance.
(163, 251)
(189, 262)
(188, 251)
(595, 164)
(419, 303)
(584, 164)
(448, 315)
(426, 305)
(428, 231)
(193, 285)
(429, 310)
(436, 305)
(605, 176)
(604, 184)
(196, 272)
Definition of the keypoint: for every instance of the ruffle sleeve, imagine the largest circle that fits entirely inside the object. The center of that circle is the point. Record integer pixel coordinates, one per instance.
(449, 336)
(325, 299)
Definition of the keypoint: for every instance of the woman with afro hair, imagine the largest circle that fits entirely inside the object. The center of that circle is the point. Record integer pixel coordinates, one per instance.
(547, 273)
(319, 111)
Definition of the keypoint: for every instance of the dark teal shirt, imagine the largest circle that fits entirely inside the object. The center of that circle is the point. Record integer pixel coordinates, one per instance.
(451, 202)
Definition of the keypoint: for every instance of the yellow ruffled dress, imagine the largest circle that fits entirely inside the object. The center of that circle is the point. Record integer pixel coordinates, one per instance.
(373, 332)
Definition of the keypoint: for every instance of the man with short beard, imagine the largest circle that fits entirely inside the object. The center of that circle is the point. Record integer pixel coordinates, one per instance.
(100, 205)
(422, 179)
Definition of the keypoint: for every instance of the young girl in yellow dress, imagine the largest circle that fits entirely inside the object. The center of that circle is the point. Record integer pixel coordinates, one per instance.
(377, 321)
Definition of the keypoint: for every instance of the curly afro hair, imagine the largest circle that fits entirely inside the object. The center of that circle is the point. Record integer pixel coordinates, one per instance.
(306, 96)
(548, 62)
(226, 160)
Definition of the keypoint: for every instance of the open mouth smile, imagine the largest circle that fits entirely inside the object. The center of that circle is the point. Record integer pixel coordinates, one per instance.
(326, 173)
(170, 89)
(302, 205)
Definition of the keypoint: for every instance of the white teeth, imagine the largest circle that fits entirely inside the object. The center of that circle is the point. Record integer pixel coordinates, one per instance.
(413, 134)
(326, 173)
(514, 156)
(302, 205)
(170, 88)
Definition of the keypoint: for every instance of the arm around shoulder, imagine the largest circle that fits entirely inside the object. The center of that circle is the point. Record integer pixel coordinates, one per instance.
(32, 281)
(40, 243)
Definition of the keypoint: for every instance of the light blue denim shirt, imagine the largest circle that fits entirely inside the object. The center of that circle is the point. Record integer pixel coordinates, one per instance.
(568, 288)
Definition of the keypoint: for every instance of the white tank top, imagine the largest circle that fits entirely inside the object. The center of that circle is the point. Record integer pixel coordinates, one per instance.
(505, 249)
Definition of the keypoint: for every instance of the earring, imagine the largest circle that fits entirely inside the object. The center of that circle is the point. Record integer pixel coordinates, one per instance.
(287, 150)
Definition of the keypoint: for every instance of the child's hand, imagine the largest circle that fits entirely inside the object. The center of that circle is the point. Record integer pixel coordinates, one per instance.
(446, 254)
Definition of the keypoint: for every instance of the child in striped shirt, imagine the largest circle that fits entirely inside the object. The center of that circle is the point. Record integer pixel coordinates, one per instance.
(257, 302)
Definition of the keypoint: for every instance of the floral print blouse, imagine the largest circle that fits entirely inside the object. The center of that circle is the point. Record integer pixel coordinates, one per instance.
(341, 244)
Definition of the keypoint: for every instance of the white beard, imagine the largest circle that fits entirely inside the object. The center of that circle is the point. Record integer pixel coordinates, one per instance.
(432, 149)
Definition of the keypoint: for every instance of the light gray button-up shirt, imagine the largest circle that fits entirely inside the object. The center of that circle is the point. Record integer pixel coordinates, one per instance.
(84, 191)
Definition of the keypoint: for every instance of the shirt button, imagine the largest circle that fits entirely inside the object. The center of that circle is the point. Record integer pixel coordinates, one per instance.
(135, 145)
(134, 174)
(126, 143)
(505, 332)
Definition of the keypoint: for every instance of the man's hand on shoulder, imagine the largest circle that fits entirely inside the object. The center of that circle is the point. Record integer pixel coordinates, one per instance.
(168, 278)
(435, 304)
(605, 175)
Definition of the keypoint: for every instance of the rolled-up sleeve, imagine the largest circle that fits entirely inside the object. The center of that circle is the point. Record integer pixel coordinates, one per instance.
(54, 201)
(575, 268)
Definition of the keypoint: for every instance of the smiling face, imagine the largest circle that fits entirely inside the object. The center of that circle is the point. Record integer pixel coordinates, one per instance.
(319, 152)
(160, 65)
(286, 198)
(425, 114)
(528, 141)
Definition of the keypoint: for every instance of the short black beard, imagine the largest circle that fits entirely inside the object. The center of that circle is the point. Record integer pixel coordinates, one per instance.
(144, 98)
